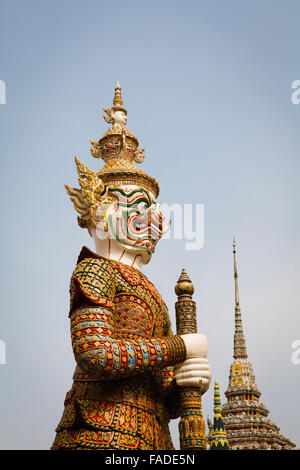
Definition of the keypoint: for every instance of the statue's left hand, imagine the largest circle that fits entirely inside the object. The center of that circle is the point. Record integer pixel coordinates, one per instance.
(194, 372)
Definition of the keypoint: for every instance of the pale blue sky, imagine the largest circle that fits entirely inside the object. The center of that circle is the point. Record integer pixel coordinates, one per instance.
(207, 85)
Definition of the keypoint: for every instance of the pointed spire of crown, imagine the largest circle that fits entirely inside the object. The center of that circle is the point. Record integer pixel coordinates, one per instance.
(118, 147)
(239, 342)
(118, 102)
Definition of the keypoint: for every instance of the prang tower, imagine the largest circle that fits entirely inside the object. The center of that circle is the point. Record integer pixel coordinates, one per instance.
(245, 417)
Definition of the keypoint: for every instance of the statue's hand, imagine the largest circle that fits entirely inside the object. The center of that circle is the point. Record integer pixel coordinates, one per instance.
(195, 370)
(195, 345)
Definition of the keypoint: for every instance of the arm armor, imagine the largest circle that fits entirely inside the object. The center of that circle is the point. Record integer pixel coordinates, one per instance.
(97, 349)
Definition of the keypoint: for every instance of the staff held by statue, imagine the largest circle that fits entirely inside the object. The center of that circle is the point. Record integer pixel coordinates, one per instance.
(192, 424)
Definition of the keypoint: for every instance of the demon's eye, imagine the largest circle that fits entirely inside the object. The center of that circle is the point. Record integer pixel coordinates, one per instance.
(142, 207)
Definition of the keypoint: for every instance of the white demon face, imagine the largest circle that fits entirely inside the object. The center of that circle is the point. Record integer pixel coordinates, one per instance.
(135, 221)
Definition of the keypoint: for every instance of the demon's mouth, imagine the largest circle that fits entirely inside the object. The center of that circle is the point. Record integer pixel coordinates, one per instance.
(150, 225)
(139, 224)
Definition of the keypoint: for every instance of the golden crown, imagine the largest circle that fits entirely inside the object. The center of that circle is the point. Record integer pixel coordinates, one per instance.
(119, 149)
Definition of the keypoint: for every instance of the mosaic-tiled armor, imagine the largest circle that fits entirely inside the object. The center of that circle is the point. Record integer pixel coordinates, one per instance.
(124, 391)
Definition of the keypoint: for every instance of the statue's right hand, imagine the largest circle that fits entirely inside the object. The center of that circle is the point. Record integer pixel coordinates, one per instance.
(193, 372)
(195, 345)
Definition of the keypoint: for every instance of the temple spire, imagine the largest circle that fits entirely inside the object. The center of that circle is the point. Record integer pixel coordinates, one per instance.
(244, 416)
(237, 300)
(218, 439)
(239, 342)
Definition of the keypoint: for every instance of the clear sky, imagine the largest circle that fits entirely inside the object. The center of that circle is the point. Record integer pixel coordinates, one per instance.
(207, 85)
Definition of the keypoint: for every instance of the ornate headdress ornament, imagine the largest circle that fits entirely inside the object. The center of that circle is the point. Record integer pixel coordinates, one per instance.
(118, 97)
(90, 198)
(119, 149)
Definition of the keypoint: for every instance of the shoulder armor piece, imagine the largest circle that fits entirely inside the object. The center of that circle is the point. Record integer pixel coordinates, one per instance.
(95, 279)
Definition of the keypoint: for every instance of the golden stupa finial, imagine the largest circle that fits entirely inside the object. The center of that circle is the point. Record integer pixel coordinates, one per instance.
(184, 285)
